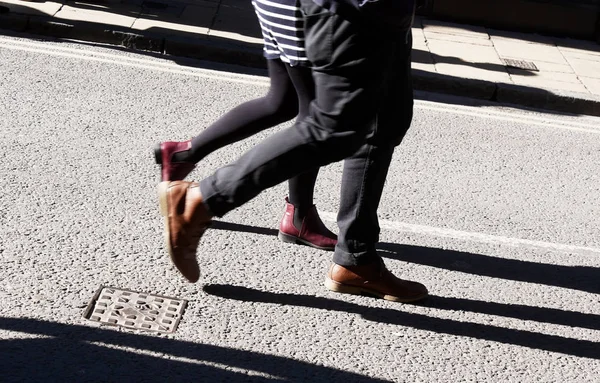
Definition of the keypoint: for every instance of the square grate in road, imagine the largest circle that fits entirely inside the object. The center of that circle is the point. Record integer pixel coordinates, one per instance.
(135, 310)
(520, 64)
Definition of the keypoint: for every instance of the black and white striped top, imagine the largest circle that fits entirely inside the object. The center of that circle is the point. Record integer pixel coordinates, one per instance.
(282, 28)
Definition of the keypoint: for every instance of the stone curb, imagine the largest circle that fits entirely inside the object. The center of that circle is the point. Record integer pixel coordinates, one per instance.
(225, 51)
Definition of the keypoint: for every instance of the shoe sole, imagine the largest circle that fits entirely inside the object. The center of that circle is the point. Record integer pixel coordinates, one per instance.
(163, 195)
(299, 241)
(354, 290)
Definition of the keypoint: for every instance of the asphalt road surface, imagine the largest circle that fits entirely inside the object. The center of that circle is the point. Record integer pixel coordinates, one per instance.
(494, 208)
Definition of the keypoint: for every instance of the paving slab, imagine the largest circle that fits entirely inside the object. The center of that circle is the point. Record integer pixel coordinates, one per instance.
(418, 37)
(592, 84)
(578, 47)
(472, 72)
(421, 59)
(550, 99)
(549, 81)
(430, 35)
(98, 16)
(532, 52)
(47, 8)
(199, 14)
(240, 21)
(117, 8)
(466, 52)
(585, 68)
(167, 28)
(544, 66)
(258, 41)
(454, 29)
(181, 19)
(171, 9)
(519, 37)
(240, 4)
(543, 76)
(590, 56)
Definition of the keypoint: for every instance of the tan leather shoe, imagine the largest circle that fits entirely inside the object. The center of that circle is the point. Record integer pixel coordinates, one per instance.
(186, 219)
(373, 279)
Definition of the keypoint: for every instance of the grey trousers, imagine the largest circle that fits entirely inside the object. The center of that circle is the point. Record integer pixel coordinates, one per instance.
(362, 109)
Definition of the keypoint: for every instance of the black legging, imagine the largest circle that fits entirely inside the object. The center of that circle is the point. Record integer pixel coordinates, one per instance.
(290, 93)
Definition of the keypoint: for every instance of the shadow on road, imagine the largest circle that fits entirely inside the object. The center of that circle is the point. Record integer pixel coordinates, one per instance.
(230, 226)
(581, 278)
(70, 353)
(553, 343)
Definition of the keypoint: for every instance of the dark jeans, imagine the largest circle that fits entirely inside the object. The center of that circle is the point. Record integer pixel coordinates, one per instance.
(361, 111)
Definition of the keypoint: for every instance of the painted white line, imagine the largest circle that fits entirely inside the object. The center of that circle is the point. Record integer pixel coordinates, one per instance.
(425, 104)
(479, 112)
(520, 120)
(473, 236)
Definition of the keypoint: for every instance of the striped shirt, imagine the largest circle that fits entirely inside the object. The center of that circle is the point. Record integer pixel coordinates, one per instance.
(282, 28)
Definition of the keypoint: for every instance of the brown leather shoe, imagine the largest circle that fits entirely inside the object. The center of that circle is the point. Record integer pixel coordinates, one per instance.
(186, 219)
(373, 279)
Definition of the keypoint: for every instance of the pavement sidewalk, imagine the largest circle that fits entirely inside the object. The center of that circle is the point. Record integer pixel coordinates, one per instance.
(562, 75)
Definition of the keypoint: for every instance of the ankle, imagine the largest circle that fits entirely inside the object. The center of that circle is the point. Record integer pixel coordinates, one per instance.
(195, 195)
(299, 215)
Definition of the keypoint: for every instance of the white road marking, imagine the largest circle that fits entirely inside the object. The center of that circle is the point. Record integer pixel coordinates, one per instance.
(521, 119)
(489, 111)
(473, 236)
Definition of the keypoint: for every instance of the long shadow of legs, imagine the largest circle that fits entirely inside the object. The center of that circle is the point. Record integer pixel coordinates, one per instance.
(573, 277)
(580, 348)
(79, 353)
(484, 265)
(221, 225)
(537, 314)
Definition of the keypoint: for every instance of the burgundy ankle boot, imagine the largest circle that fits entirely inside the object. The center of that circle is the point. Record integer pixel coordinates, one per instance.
(172, 171)
(312, 233)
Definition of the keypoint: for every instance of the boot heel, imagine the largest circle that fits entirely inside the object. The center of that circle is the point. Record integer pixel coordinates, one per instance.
(162, 197)
(157, 154)
(287, 238)
(339, 288)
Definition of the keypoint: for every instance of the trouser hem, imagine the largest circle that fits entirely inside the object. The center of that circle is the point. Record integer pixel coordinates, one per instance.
(212, 199)
(344, 258)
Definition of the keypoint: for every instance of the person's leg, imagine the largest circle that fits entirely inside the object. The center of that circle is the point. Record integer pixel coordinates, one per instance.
(349, 73)
(365, 172)
(347, 76)
(347, 79)
(357, 268)
(280, 104)
(301, 187)
(301, 222)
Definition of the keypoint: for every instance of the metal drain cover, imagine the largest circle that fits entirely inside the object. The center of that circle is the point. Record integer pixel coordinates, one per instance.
(135, 310)
(520, 64)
